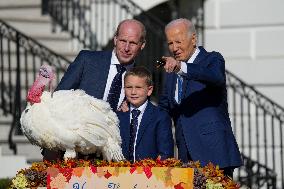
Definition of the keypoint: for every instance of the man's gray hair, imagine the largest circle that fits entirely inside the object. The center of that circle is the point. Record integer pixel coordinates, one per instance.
(188, 23)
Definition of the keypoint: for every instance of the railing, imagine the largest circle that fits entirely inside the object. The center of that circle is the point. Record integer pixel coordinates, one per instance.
(20, 59)
(256, 175)
(258, 126)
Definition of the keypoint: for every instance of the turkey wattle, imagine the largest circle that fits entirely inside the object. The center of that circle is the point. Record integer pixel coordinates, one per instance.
(70, 120)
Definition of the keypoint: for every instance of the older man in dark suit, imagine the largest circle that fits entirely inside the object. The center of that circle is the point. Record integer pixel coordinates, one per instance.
(195, 95)
(100, 73)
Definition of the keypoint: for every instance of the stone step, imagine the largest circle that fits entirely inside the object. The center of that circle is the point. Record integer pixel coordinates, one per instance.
(27, 78)
(24, 148)
(22, 13)
(4, 118)
(60, 45)
(47, 36)
(11, 164)
(59, 42)
(32, 28)
(4, 131)
(33, 16)
(5, 126)
(68, 54)
(17, 3)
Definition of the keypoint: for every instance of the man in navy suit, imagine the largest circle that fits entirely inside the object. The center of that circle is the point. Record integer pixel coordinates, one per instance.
(195, 96)
(146, 133)
(100, 73)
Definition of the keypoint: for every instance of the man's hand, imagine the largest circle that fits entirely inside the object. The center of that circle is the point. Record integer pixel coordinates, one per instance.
(124, 107)
(172, 65)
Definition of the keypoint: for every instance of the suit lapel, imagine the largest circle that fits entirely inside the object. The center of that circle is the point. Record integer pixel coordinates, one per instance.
(198, 60)
(202, 54)
(173, 77)
(125, 128)
(145, 122)
(102, 67)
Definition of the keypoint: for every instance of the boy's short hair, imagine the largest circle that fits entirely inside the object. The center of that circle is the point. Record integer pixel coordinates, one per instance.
(141, 72)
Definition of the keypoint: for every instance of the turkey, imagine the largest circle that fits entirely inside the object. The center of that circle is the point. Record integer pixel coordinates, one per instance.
(70, 120)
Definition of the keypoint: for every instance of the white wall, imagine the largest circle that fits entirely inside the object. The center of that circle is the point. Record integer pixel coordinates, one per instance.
(250, 35)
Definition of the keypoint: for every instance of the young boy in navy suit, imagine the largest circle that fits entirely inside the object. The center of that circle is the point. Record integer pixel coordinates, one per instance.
(145, 129)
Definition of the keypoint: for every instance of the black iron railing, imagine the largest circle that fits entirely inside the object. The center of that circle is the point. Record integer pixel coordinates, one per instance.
(256, 175)
(258, 126)
(20, 59)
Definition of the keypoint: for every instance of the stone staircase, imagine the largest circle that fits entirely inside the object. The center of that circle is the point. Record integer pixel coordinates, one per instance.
(26, 17)
(27, 153)
(24, 148)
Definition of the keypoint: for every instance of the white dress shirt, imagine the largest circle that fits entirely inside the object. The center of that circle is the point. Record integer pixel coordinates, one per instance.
(183, 69)
(142, 110)
(111, 74)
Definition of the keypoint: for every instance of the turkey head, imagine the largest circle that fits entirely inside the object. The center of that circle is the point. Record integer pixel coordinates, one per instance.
(46, 76)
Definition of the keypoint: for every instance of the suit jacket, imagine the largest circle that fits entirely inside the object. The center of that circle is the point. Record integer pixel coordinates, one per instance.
(88, 72)
(202, 116)
(154, 135)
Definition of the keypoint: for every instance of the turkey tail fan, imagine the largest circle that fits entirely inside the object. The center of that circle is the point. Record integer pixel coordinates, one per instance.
(106, 112)
(94, 134)
(101, 129)
(113, 150)
(99, 136)
(105, 117)
(109, 123)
